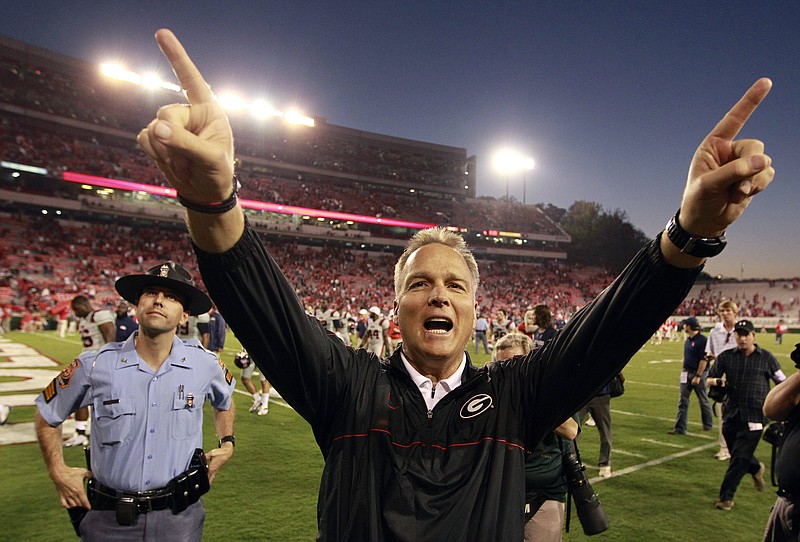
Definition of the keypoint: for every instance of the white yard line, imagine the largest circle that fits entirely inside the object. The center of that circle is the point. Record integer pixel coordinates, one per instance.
(655, 462)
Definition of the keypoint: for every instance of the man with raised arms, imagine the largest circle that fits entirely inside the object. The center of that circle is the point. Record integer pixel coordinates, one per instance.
(425, 446)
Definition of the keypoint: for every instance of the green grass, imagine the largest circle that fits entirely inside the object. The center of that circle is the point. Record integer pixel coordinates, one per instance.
(268, 491)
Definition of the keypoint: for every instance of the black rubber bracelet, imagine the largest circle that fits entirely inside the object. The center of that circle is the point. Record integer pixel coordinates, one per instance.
(213, 208)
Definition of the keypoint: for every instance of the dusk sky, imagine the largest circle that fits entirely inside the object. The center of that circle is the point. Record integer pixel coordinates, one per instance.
(609, 98)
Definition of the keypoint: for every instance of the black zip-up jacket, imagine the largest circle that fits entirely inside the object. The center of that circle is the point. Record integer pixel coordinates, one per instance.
(395, 470)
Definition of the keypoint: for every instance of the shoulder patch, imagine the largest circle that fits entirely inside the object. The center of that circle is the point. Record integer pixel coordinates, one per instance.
(226, 372)
(63, 379)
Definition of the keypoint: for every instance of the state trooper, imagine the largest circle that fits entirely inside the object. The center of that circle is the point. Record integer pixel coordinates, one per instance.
(148, 469)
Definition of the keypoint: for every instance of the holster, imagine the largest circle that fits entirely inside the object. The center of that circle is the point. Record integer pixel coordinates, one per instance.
(189, 486)
(77, 513)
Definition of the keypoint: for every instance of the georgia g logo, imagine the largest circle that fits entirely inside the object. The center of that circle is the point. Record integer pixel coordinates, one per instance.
(476, 405)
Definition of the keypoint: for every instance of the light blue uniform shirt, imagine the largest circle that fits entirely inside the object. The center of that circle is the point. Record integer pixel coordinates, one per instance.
(145, 424)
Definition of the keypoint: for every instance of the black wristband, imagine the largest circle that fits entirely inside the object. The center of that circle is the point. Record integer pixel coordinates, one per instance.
(227, 438)
(214, 208)
(699, 247)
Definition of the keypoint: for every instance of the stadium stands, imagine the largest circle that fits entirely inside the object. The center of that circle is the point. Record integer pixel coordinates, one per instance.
(59, 114)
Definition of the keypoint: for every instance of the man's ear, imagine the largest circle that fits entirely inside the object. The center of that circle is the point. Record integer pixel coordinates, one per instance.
(396, 316)
(184, 318)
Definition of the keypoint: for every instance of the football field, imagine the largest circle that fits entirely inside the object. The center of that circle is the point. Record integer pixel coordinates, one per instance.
(662, 488)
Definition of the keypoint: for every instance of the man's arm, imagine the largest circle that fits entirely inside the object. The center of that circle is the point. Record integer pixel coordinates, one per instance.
(783, 398)
(68, 480)
(223, 423)
(568, 429)
(109, 331)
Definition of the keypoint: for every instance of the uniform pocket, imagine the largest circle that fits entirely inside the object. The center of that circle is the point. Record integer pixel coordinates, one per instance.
(113, 420)
(188, 419)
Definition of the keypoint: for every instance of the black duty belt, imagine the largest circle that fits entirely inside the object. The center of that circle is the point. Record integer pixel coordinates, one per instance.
(106, 498)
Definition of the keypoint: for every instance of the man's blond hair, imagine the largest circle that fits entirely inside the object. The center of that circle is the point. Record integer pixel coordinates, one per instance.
(441, 236)
(728, 304)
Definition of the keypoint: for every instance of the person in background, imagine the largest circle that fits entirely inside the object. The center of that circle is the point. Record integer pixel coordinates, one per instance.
(260, 399)
(545, 483)
(720, 339)
(96, 328)
(748, 370)
(783, 404)
(780, 329)
(125, 324)
(693, 378)
(148, 470)
(545, 330)
(481, 328)
(217, 330)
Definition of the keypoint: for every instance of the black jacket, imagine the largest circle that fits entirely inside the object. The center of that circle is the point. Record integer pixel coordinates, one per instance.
(393, 469)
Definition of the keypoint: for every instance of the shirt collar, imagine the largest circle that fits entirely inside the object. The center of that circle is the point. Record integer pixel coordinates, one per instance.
(423, 382)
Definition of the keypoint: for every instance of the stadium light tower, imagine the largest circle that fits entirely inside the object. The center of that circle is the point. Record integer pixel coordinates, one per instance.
(527, 165)
(509, 161)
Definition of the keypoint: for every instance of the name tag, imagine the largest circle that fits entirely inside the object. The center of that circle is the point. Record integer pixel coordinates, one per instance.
(752, 426)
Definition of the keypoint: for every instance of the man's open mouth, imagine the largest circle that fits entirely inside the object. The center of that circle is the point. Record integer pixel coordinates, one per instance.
(438, 325)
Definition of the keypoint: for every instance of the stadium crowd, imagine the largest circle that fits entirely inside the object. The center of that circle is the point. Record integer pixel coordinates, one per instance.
(71, 257)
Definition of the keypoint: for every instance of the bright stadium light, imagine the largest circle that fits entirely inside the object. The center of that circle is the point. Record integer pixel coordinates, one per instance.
(261, 109)
(295, 117)
(508, 161)
(115, 71)
(151, 80)
(231, 101)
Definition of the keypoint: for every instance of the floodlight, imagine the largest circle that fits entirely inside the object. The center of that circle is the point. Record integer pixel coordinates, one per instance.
(295, 117)
(115, 71)
(263, 110)
(231, 101)
(506, 161)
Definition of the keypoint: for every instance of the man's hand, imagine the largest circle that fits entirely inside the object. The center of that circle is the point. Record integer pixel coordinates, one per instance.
(216, 458)
(191, 144)
(725, 173)
(70, 487)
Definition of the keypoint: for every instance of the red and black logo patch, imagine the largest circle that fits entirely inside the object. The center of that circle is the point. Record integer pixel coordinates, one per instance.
(66, 374)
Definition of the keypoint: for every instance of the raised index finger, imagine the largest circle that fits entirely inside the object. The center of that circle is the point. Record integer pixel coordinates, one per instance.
(189, 77)
(734, 120)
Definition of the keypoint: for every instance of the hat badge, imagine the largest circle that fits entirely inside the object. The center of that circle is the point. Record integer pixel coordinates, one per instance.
(164, 271)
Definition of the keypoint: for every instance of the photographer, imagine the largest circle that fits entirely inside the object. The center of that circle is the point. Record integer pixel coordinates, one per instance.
(545, 483)
(781, 404)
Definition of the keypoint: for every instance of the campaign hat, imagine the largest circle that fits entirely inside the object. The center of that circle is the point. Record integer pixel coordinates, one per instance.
(168, 275)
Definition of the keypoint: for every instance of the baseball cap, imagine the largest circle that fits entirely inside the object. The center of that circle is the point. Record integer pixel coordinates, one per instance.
(168, 275)
(363, 312)
(744, 325)
(375, 310)
(692, 322)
